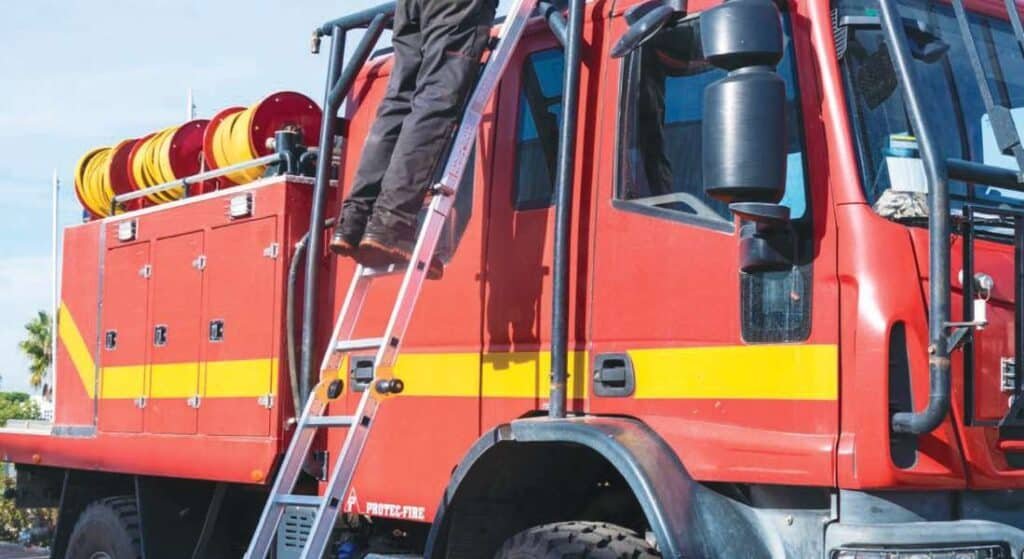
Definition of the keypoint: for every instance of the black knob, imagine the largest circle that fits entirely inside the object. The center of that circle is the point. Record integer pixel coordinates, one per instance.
(334, 389)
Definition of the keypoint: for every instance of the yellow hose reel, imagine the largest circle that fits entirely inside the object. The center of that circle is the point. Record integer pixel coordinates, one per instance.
(233, 136)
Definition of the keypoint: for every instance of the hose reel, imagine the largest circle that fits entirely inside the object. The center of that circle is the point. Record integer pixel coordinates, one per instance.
(234, 135)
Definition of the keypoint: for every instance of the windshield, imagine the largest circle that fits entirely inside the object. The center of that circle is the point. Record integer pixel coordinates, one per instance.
(887, 149)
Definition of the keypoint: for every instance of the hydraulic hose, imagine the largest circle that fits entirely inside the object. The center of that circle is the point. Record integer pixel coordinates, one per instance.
(290, 333)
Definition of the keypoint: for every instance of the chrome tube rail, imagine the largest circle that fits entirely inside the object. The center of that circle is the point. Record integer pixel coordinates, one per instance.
(192, 180)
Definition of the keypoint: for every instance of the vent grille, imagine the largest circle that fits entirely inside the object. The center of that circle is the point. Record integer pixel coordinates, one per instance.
(293, 531)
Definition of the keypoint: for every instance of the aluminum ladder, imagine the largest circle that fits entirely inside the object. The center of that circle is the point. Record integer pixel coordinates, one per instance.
(385, 384)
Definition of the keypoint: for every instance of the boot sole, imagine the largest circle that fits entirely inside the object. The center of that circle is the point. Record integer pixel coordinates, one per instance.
(375, 254)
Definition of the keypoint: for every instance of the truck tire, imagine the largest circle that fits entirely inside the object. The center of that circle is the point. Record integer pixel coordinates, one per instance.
(577, 540)
(108, 529)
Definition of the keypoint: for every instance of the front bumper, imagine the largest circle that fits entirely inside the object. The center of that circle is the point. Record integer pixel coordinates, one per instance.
(933, 534)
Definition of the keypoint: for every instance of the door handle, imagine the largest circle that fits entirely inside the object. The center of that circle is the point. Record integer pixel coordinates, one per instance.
(614, 376)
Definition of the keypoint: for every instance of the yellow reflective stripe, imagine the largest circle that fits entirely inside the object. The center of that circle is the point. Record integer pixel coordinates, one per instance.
(240, 379)
(439, 374)
(765, 372)
(528, 374)
(176, 380)
(81, 357)
(122, 382)
(768, 372)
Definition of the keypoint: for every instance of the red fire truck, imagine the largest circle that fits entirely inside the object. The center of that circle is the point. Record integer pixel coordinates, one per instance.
(721, 280)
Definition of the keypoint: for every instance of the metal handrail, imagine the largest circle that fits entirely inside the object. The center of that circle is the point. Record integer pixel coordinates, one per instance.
(194, 179)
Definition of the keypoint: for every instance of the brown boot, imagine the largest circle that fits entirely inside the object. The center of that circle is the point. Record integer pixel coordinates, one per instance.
(343, 245)
(375, 252)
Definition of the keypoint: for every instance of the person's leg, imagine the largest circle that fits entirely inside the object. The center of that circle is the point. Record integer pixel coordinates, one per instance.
(384, 132)
(455, 33)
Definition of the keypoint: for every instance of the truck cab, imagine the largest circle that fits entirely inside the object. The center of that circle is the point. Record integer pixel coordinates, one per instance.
(794, 289)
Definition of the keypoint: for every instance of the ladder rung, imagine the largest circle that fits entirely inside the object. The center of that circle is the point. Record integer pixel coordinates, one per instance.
(391, 270)
(329, 421)
(299, 500)
(355, 345)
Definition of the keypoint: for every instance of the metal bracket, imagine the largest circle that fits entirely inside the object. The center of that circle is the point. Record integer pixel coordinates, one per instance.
(200, 262)
(266, 400)
(272, 251)
(1008, 374)
(442, 189)
(146, 271)
(194, 402)
(140, 402)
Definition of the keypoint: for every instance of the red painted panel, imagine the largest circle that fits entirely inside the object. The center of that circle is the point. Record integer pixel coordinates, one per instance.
(244, 303)
(125, 292)
(175, 305)
(82, 252)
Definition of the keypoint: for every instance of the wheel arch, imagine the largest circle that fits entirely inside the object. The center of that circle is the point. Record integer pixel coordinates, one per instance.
(676, 508)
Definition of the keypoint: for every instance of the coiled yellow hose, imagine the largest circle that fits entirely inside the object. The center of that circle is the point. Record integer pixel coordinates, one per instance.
(92, 181)
(151, 165)
(231, 145)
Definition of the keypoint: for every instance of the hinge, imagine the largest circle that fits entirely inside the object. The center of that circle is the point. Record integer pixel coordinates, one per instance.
(194, 402)
(140, 402)
(146, 271)
(1008, 374)
(272, 251)
(200, 262)
(266, 400)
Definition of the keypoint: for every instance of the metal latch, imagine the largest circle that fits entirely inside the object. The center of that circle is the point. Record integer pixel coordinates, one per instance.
(146, 271)
(200, 262)
(140, 402)
(194, 402)
(1008, 374)
(272, 251)
(266, 400)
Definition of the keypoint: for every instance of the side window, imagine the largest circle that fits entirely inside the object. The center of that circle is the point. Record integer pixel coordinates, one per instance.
(659, 159)
(540, 113)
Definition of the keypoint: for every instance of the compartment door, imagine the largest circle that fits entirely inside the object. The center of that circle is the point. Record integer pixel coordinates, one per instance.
(124, 339)
(174, 334)
(239, 329)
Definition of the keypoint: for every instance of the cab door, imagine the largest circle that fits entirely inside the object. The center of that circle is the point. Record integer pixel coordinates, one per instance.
(737, 371)
(517, 308)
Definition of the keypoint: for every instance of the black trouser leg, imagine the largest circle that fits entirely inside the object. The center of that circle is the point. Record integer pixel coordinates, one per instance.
(407, 41)
(455, 33)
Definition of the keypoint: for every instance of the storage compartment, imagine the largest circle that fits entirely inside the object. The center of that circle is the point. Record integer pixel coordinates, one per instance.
(242, 297)
(174, 327)
(123, 344)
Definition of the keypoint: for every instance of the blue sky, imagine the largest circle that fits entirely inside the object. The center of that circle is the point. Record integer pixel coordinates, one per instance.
(76, 75)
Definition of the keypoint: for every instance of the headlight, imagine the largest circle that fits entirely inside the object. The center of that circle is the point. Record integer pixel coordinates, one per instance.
(981, 551)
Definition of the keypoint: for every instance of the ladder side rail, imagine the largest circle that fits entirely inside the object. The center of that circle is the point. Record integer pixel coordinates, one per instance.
(351, 309)
(285, 480)
(440, 206)
(341, 477)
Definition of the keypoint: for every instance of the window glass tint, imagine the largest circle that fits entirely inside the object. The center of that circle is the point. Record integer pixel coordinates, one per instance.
(887, 149)
(540, 109)
(663, 110)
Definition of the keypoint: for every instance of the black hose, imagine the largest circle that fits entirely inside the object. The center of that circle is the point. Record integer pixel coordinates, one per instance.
(289, 309)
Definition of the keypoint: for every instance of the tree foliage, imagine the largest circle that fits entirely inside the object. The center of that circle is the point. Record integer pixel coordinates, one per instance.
(17, 405)
(37, 347)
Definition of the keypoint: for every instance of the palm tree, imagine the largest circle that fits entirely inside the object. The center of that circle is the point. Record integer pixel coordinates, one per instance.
(37, 348)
